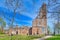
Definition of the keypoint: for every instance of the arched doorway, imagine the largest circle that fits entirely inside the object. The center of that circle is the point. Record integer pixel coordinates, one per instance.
(16, 32)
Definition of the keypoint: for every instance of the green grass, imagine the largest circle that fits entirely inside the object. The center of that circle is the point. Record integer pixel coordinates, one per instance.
(56, 37)
(17, 37)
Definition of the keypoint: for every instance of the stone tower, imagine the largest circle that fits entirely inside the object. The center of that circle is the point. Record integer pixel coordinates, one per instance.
(40, 23)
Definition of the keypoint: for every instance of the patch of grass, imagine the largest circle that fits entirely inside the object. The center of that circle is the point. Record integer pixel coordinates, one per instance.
(56, 37)
(18, 37)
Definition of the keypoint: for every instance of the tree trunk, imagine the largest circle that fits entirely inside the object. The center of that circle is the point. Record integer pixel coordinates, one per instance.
(58, 31)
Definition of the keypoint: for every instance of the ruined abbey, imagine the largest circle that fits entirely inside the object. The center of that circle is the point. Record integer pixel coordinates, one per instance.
(39, 25)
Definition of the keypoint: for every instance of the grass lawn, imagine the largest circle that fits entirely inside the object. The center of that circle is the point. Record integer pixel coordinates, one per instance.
(56, 37)
(17, 37)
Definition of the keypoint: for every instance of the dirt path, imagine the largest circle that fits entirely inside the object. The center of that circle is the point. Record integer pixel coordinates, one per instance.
(43, 38)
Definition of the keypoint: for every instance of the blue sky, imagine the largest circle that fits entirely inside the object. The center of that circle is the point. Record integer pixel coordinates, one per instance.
(25, 18)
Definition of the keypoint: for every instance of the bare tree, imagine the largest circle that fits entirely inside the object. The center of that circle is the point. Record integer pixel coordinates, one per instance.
(55, 13)
(16, 6)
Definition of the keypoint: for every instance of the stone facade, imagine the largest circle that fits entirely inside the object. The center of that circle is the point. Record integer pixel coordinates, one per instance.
(19, 31)
(25, 31)
(39, 25)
